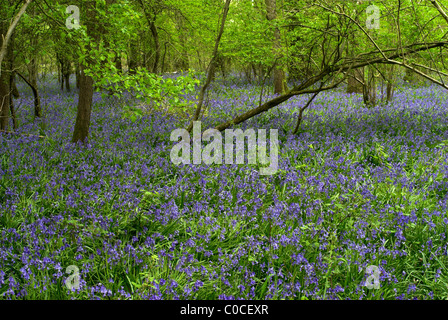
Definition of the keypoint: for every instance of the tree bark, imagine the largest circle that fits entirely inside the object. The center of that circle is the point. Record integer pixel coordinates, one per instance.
(4, 101)
(369, 88)
(86, 88)
(303, 88)
(155, 35)
(118, 63)
(12, 85)
(184, 61)
(390, 84)
(37, 108)
(212, 67)
(279, 73)
(77, 75)
(355, 81)
(15, 91)
(67, 81)
(82, 123)
(4, 79)
(65, 72)
(133, 58)
(7, 32)
(151, 18)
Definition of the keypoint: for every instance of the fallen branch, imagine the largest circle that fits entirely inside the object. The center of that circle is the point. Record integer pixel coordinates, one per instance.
(303, 88)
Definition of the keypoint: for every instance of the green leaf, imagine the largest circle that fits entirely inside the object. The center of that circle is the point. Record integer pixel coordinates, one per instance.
(265, 286)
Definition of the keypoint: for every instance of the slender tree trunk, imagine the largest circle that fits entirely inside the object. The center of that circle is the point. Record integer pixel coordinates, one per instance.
(118, 63)
(162, 67)
(389, 91)
(369, 89)
(354, 85)
(37, 108)
(7, 30)
(32, 72)
(248, 73)
(4, 81)
(254, 70)
(33, 66)
(62, 73)
(4, 101)
(390, 84)
(15, 91)
(155, 34)
(151, 18)
(355, 79)
(212, 67)
(12, 85)
(184, 61)
(59, 73)
(279, 73)
(65, 66)
(77, 75)
(410, 76)
(84, 108)
(67, 81)
(133, 58)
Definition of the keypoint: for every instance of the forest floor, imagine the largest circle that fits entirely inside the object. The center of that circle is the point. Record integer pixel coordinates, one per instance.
(360, 195)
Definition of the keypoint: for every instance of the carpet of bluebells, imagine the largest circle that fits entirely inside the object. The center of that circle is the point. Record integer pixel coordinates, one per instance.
(357, 187)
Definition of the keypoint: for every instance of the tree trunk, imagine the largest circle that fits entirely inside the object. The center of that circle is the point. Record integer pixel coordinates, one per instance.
(410, 76)
(389, 91)
(33, 66)
(37, 109)
(353, 85)
(4, 82)
(356, 77)
(279, 73)
(151, 19)
(65, 72)
(84, 108)
(67, 81)
(369, 89)
(33, 71)
(82, 123)
(390, 86)
(184, 61)
(15, 91)
(248, 72)
(12, 85)
(211, 69)
(118, 64)
(77, 75)
(133, 58)
(6, 30)
(59, 73)
(65, 67)
(155, 34)
(4, 100)
(162, 67)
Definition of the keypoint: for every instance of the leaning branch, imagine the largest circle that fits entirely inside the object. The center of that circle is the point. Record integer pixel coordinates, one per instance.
(37, 109)
(303, 88)
(439, 8)
(11, 28)
(211, 69)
